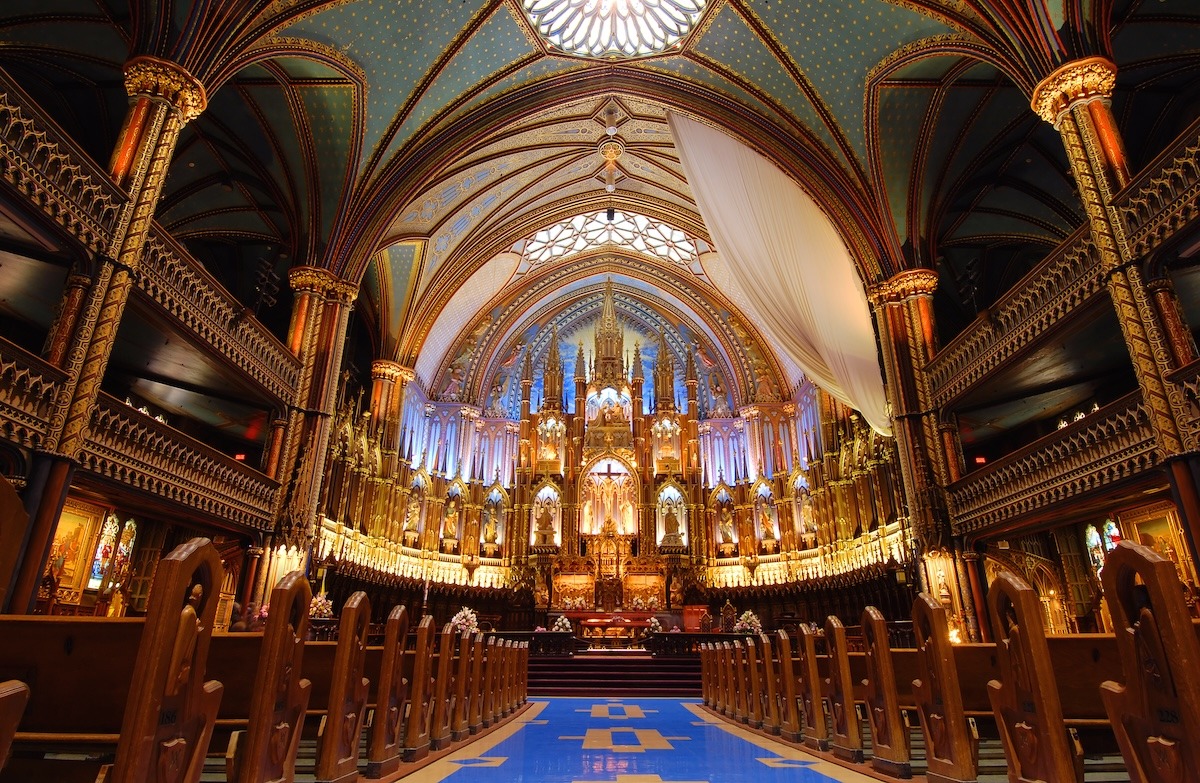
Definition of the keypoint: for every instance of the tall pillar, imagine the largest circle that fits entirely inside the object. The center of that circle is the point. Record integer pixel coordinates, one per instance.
(904, 310)
(164, 98)
(317, 334)
(1075, 99)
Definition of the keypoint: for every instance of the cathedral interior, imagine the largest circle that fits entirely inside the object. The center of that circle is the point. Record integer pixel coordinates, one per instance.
(796, 307)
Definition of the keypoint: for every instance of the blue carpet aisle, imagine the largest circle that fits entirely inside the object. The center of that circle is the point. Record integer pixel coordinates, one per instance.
(632, 740)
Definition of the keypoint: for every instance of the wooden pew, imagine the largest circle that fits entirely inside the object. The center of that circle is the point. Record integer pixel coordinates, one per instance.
(741, 686)
(523, 673)
(478, 684)
(278, 697)
(772, 696)
(444, 687)
(13, 696)
(1025, 699)
(756, 685)
(83, 688)
(460, 719)
(386, 743)
(951, 746)
(814, 731)
(846, 736)
(1156, 713)
(420, 713)
(491, 679)
(890, 742)
(337, 751)
(706, 671)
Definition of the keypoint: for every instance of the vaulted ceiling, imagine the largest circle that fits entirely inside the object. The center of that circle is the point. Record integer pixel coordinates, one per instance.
(416, 146)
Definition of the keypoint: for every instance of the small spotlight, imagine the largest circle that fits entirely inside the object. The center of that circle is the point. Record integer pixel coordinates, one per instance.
(981, 460)
(612, 214)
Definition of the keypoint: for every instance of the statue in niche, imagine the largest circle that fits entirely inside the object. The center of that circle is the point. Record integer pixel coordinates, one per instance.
(450, 520)
(725, 526)
(490, 529)
(671, 536)
(412, 518)
(768, 524)
(545, 527)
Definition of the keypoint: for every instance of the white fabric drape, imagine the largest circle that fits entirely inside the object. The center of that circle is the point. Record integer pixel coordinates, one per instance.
(789, 264)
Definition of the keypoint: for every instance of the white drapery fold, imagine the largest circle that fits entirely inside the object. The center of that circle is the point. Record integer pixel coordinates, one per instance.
(791, 268)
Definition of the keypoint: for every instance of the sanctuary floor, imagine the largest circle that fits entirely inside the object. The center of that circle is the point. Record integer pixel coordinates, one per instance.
(630, 740)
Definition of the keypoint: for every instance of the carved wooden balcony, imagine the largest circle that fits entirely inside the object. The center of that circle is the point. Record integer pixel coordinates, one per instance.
(1165, 196)
(1188, 377)
(193, 298)
(138, 451)
(52, 173)
(28, 387)
(1110, 445)
(1065, 280)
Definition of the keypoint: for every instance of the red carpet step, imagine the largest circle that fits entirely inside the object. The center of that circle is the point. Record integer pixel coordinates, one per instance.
(614, 673)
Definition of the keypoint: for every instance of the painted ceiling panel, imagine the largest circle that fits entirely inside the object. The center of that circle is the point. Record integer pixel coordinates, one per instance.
(229, 222)
(697, 73)
(984, 223)
(497, 44)
(396, 42)
(731, 42)
(422, 215)
(329, 110)
(400, 260)
(458, 313)
(529, 74)
(901, 115)
(837, 42)
(98, 39)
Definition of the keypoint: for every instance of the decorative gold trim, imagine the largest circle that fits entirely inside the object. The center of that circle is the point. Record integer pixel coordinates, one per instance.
(904, 285)
(1088, 79)
(321, 281)
(167, 81)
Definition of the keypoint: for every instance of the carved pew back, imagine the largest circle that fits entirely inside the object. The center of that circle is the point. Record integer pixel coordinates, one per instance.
(890, 750)
(386, 741)
(846, 735)
(13, 696)
(1025, 698)
(443, 693)
(725, 673)
(478, 682)
(419, 720)
(951, 749)
(278, 697)
(813, 728)
(461, 720)
(337, 751)
(1156, 713)
(769, 664)
(491, 680)
(789, 719)
(741, 682)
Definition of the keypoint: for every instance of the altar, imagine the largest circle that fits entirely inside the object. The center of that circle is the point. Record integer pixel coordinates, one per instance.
(610, 629)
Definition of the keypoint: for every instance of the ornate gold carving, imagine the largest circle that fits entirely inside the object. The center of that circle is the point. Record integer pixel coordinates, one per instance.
(905, 285)
(167, 81)
(1081, 80)
(27, 396)
(321, 281)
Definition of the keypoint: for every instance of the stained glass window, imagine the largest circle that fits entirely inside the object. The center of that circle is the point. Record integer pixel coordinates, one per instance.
(635, 232)
(613, 28)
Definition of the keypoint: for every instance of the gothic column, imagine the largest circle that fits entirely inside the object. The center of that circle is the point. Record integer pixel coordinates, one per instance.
(1075, 99)
(164, 98)
(317, 334)
(904, 310)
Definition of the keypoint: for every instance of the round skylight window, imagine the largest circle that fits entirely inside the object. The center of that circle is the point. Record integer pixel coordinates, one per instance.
(613, 28)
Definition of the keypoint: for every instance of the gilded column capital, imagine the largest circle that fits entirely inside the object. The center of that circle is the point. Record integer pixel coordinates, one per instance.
(316, 280)
(388, 370)
(1078, 81)
(166, 81)
(904, 285)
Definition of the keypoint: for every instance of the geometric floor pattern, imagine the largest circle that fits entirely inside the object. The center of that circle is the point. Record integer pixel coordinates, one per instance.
(629, 740)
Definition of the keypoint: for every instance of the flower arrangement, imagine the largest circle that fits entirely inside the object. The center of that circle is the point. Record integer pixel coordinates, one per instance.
(561, 624)
(748, 622)
(540, 629)
(466, 621)
(576, 603)
(263, 611)
(320, 608)
(675, 629)
(655, 626)
(645, 604)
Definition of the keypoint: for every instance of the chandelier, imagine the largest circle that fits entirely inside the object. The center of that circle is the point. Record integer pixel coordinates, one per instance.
(613, 28)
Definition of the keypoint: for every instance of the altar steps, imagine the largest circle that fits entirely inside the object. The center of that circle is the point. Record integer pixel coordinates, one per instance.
(614, 673)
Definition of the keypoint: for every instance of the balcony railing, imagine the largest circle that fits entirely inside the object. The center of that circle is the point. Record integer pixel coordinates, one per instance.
(1165, 196)
(1065, 280)
(28, 388)
(130, 447)
(45, 166)
(196, 300)
(1105, 447)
